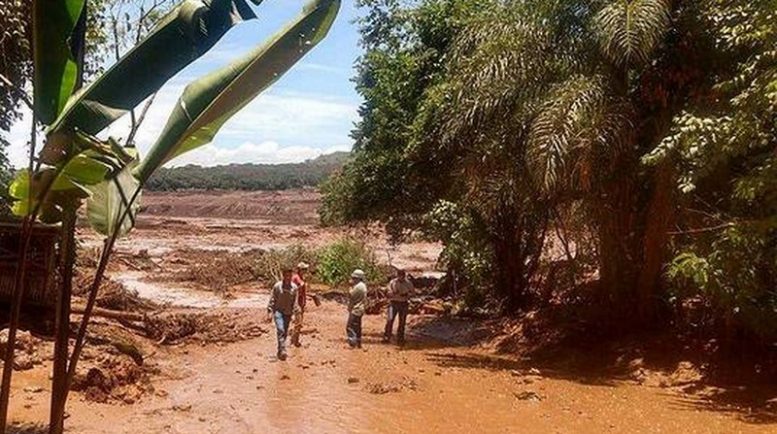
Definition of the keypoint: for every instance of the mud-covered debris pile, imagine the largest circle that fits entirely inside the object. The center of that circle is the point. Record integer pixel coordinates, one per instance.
(391, 387)
(203, 327)
(29, 351)
(215, 271)
(111, 295)
(116, 378)
(114, 365)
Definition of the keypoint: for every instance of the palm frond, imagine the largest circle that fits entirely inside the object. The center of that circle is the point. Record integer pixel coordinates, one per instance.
(630, 30)
(580, 123)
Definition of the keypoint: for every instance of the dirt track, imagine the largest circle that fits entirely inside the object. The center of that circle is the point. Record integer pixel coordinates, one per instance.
(446, 380)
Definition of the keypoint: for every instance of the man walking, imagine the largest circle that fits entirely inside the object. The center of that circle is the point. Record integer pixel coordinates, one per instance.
(357, 304)
(282, 306)
(400, 289)
(299, 280)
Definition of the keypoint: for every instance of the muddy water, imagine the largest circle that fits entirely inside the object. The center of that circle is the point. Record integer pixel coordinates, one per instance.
(185, 297)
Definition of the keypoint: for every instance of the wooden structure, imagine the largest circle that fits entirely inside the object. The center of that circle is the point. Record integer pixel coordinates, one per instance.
(40, 294)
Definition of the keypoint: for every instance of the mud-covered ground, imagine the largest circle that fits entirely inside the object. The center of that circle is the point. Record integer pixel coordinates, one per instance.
(195, 360)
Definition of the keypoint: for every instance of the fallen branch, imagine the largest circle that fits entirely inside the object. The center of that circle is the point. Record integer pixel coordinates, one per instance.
(111, 314)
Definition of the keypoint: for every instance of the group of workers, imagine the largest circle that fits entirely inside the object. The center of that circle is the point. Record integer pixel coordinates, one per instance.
(289, 296)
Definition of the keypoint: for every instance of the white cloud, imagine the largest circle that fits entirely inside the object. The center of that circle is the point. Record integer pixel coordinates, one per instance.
(320, 67)
(307, 126)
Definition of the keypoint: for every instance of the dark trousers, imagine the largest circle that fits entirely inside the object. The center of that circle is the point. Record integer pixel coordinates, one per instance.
(396, 308)
(282, 328)
(354, 330)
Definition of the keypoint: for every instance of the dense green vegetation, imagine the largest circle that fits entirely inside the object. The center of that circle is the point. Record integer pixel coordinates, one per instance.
(16, 67)
(248, 176)
(335, 262)
(637, 137)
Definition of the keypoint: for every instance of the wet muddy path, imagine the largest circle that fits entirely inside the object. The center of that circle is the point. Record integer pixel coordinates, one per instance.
(429, 386)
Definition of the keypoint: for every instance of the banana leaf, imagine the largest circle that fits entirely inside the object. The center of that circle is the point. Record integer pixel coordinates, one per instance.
(207, 103)
(56, 70)
(50, 189)
(109, 200)
(183, 35)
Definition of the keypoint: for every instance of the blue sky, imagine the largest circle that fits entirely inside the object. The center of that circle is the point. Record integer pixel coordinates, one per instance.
(308, 112)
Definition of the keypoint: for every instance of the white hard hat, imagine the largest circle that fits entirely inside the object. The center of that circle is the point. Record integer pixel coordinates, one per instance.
(358, 274)
(303, 266)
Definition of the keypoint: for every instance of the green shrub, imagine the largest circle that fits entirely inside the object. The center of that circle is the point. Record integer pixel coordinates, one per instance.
(336, 262)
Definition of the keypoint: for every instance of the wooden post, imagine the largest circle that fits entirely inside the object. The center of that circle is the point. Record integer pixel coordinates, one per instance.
(62, 334)
(16, 305)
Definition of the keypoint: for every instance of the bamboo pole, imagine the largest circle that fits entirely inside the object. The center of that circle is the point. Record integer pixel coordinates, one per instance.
(18, 292)
(59, 411)
(59, 372)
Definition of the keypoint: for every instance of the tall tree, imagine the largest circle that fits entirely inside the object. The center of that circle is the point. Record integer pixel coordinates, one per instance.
(14, 74)
(535, 106)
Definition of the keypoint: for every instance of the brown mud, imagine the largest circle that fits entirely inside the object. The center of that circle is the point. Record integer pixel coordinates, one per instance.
(200, 362)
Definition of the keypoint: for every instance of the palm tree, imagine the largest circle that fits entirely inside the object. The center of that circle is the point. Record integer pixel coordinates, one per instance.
(558, 88)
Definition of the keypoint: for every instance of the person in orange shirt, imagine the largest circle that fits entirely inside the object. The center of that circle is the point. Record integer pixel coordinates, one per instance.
(299, 280)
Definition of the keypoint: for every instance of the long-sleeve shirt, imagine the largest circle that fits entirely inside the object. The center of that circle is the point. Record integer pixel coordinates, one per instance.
(357, 302)
(400, 289)
(283, 298)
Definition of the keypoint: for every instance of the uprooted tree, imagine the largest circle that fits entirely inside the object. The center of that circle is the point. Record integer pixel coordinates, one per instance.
(74, 167)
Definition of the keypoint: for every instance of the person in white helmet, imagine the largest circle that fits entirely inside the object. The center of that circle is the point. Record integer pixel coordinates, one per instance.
(357, 304)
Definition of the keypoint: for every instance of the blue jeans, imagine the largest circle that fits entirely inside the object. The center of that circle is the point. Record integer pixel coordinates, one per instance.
(282, 322)
(396, 308)
(354, 330)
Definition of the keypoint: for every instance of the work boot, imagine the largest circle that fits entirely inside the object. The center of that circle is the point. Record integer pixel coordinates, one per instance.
(282, 356)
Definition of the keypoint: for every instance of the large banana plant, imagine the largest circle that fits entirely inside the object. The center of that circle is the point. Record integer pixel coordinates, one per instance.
(74, 166)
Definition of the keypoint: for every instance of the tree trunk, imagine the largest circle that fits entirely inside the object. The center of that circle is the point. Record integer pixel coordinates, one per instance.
(509, 273)
(619, 249)
(659, 217)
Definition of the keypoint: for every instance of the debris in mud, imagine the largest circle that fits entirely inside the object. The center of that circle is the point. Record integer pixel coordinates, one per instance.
(180, 407)
(353, 380)
(112, 294)
(528, 396)
(203, 327)
(215, 271)
(394, 387)
(27, 347)
(140, 261)
(113, 379)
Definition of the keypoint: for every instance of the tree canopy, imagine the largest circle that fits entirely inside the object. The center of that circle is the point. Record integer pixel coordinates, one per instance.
(248, 177)
(638, 137)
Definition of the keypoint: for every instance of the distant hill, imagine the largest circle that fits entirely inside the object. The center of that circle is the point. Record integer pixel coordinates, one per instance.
(250, 177)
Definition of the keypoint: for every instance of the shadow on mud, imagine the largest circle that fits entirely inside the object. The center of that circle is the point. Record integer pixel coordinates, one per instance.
(687, 372)
(26, 428)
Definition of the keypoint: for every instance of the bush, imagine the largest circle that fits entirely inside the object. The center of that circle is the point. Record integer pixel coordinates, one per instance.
(269, 264)
(336, 262)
